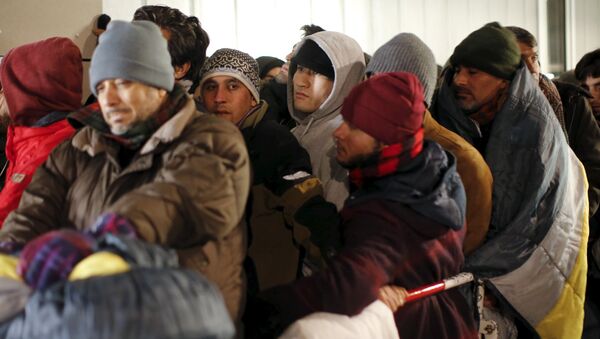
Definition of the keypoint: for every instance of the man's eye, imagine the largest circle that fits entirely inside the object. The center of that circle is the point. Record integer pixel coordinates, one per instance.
(305, 70)
(122, 83)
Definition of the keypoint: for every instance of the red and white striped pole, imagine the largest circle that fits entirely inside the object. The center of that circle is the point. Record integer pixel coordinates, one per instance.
(438, 287)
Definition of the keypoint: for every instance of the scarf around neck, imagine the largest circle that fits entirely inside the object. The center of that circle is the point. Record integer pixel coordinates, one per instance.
(388, 160)
(140, 132)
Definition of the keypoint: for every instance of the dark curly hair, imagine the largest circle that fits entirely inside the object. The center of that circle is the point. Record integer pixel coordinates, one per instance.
(589, 65)
(311, 29)
(187, 41)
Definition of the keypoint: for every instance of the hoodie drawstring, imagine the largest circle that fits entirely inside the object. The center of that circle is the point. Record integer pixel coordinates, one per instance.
(307, 128)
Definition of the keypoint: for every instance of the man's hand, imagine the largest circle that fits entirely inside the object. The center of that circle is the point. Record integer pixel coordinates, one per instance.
(392, 296)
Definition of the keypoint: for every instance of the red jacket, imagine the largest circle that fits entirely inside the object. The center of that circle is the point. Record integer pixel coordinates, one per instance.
(26, 149)
(41, 83)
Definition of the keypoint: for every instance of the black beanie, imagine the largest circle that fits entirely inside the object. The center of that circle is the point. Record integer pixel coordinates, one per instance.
(492, 49)
(267, 63)
(313, 57)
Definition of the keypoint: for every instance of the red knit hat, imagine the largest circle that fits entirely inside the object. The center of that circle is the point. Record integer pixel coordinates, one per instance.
(389, 106)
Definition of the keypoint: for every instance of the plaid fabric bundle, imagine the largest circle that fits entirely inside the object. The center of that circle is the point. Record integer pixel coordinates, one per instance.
(114, 224)
(51, 257)
(133, 139)
(389, 160)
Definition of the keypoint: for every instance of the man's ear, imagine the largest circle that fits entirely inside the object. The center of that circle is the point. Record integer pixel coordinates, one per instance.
(181, 71)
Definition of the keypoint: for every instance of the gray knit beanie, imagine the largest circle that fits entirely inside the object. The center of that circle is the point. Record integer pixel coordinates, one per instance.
(135, 51)
(407, 53)
(236, 64)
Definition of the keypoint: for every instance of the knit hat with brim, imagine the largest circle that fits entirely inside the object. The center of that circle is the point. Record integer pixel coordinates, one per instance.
(314, 58)
(407, 53)
(135, 51)
(236, 64)
(492, 49)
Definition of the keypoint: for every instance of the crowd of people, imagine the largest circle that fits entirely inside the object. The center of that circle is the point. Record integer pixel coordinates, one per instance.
(329, 183)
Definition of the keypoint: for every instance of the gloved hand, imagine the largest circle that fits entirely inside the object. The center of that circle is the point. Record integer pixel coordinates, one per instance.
(50, 258)
(323, 221)
(114, 224)
(277, 158)
(262, 319)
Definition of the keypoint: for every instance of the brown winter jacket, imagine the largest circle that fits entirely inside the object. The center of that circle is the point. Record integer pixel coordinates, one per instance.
(475, 175)
(186, 188)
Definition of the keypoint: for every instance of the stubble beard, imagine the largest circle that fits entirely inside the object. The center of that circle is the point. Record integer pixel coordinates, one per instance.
(362, 160)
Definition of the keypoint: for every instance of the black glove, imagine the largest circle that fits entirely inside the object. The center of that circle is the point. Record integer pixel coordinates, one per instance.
(275, 153)
(323, 221)
(262, 319)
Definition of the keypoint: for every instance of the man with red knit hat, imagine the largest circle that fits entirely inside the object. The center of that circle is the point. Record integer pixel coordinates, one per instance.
(42, 83)
(403, 224)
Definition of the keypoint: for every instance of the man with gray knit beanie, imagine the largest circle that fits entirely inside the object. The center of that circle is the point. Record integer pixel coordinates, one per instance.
(147, 161)
(536, 243)
(407, 53)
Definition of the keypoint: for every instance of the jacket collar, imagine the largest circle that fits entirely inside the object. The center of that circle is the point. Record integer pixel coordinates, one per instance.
(91, 141)
(254, 116)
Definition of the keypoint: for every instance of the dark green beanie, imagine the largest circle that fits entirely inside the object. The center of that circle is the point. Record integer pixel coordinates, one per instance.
(492, 49)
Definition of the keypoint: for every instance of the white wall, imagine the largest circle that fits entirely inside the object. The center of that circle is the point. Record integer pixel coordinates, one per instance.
(585, 29)
(271, 27)
(25, 21)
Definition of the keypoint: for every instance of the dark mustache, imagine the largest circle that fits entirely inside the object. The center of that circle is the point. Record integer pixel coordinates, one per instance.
(116, 110)
(462, 90)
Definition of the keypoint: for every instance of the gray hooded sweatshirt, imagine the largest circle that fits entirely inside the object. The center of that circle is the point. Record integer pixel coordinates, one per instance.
(314, 131)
